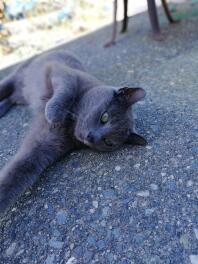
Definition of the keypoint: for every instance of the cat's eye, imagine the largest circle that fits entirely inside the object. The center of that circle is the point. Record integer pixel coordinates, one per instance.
(108, 142)
(104, 118)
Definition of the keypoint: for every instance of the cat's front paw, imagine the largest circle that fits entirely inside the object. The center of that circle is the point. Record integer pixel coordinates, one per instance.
(4, 200)
(54, 117)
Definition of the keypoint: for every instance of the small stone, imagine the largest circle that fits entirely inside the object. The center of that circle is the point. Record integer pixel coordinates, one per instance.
(88, 255)
(50, 259)
(195, 149)
(143, 193)
(25, 125)
(129, 157)
(71, 246)
(61, 217)
(11, 249)
(117, 168)
(108, 194)
(56, 244)
(72, 260)
(196, 232)
(101, 244)
(91, 240)
(154, 186)
(189, 183)
(95, 204)
(103, 223)
(171, 185)
(148, 147)
(149, 211)
(136, 166)
(105, 211)
(194, 259)
(78, 251)
(20, 252)
(184, 240)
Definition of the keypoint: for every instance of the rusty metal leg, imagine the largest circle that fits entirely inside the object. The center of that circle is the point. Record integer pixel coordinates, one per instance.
(152, 10)
(168, 13)
(125, 20)
(114, 32)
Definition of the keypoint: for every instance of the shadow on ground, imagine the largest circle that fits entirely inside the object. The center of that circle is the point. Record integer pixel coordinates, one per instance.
(137, 205)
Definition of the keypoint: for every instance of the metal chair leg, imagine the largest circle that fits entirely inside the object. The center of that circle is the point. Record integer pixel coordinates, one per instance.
(115, 23)
(168, 13)
(125, 19)
(152, 10)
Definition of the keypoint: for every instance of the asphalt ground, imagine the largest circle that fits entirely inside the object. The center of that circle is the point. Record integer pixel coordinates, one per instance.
(139, 204)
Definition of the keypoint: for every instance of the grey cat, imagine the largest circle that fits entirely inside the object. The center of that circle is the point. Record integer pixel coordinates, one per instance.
(71, 109)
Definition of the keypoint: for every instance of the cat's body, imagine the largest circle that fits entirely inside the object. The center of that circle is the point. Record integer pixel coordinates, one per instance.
(71, 109)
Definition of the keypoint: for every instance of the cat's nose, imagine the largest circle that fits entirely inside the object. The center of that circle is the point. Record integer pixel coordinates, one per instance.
(90, 137)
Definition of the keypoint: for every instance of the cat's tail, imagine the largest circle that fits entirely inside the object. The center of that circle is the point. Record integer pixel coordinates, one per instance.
(40, 149)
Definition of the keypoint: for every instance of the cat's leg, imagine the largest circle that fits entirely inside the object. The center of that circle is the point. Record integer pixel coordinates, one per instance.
(6, 87)
(40, 149)
(64, 84)
(5, 106)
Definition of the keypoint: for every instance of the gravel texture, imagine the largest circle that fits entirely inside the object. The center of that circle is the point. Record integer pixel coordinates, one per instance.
(134, 206)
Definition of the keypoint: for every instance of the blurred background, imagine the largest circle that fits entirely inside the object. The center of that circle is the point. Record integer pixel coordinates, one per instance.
(28, 27)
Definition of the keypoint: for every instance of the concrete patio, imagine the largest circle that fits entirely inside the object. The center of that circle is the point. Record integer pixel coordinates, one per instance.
(137, 205)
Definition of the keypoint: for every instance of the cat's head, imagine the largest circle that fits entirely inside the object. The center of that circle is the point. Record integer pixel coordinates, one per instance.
(104, 118)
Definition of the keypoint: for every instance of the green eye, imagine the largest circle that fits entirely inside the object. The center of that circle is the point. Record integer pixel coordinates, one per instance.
(104, 118)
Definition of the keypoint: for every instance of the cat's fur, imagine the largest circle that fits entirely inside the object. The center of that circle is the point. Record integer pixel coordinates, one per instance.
(67, 103)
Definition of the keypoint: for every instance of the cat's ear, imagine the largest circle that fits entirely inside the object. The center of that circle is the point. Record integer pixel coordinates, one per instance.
(130, 96)
(135, 139)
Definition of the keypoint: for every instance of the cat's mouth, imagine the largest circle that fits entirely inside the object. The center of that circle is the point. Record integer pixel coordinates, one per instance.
(104, 144)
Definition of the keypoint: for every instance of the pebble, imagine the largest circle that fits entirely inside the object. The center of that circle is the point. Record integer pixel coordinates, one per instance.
(91, 240)
(61, 217)
(50, 259)
(149, 211)
(25, 125)
(143, 193)
(56, 244)
(11, 249)
(108, 194)
(184, 240)
(171, 185)
(148, 147)
(195, 149)
(105, 211)
(154, 186)
(88, 255)
(72, 260)
(194, 259)
(95, 204)
(101, 244)
(117, 168)
(189, 183)
(129, 157)
(196, 232)
(136, 166)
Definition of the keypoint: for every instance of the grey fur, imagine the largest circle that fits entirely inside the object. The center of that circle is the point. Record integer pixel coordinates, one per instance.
(67, 103)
